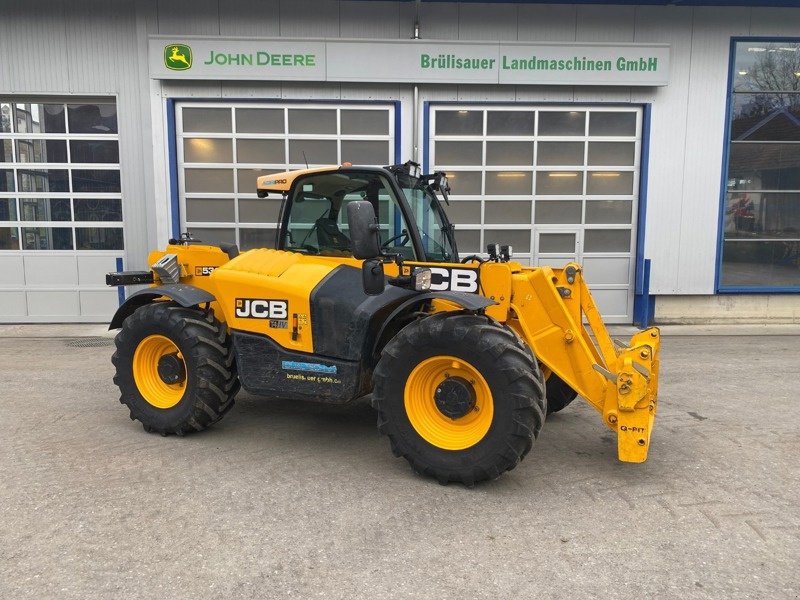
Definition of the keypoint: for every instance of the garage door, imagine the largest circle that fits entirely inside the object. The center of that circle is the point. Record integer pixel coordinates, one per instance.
(558, 183)
(60, 209)
(224, 147)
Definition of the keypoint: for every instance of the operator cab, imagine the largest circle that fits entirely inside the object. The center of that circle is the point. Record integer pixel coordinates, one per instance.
(314, 217)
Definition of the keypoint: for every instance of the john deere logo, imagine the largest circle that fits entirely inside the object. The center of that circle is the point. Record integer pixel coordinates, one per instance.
(178, 57)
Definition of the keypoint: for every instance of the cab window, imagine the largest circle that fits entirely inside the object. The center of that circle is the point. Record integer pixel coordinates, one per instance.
(317, 222)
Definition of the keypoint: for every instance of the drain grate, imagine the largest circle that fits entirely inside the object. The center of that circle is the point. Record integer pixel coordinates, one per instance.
(90, 342)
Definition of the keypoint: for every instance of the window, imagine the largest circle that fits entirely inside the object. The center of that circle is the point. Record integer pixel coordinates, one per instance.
(761, 207)
(318, 214)
(59, 176)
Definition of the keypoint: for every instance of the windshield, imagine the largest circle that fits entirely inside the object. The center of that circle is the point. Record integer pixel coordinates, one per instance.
(317, 221)
(425, 208)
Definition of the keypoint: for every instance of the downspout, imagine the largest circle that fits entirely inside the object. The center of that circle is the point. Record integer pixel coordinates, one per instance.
(415, 118)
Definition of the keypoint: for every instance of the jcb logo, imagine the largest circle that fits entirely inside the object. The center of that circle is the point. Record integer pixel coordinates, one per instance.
(252, 308)
(455, 280)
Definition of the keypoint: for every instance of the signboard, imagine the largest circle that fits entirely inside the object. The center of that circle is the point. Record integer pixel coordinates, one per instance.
(408, 61)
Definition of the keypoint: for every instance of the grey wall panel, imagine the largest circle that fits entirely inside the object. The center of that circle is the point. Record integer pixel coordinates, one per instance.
(486, 93)
(438, 20)
(547, 23)
(705, 126)
(443, 93)
(258, 18)
(188, 17)
(487, 22)
(371, 92)
(605, 23)
(193, 89)
(6, 25)
(774, 21)
(602, 94)
(377, 19)
(544, 93)
(251, 89)
(312, 91)
(142, 223)
(309, 18)
(671, 25)
(96, 38)
(36, 35)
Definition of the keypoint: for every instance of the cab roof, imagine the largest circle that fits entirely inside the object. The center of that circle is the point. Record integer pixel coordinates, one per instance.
(281, 182)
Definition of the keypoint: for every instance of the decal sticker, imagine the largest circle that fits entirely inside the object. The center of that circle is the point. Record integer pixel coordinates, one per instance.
(258, 308)
(317, 372)
(203, 271)
(302, 319)
(455, 280)
(291, 365)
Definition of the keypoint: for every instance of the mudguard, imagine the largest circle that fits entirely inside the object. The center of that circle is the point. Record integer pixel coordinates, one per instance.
(185, 295)
(470, 302)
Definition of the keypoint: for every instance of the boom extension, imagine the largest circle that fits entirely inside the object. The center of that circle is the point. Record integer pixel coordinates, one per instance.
(554, 310)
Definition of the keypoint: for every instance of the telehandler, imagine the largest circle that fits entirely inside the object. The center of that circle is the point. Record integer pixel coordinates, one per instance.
(364, 293)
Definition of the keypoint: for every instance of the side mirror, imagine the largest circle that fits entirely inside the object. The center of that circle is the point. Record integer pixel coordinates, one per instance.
(364, 241)
(372, 277)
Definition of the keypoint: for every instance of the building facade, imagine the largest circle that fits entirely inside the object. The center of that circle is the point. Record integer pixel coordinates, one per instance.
(659, 145)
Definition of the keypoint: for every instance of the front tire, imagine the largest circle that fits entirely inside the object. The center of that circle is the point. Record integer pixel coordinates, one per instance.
(459, 397)
(559, 394)
(174, 368)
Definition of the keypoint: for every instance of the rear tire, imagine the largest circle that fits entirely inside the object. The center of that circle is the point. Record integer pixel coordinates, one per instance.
(559, 394)
(477, 441)
(194, 348)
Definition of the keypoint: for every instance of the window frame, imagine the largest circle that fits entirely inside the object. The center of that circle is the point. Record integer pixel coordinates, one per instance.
(725, 170)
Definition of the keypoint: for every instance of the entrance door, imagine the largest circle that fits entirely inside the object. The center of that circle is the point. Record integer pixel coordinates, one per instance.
(558, 183)
(224, 146)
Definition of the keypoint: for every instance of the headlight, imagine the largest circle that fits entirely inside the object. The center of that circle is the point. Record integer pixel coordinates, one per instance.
(422, 279)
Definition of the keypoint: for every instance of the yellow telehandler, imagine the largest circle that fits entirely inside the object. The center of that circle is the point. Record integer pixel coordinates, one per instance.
(364, 293)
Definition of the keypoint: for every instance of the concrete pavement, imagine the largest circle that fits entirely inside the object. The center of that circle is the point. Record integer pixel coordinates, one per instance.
(282, 499)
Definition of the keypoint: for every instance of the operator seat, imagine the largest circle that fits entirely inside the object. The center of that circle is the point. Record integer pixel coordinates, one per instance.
(329, 235)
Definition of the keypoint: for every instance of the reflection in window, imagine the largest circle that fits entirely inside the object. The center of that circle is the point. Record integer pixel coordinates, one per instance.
(46, 238)
(761, 217)
(42, 151)
(45, 209)
(94, 151)
(8, 209)
(39, 118)
(9, 238)
(97, 238)
(95, 180)
(92, 118)
(43, 180)
(7, 180)
(91, 209)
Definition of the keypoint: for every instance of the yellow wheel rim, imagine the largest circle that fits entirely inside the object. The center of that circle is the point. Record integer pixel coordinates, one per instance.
(145, 372)
(425, 415)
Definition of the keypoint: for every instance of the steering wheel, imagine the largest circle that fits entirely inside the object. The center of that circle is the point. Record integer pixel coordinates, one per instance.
(403, 236)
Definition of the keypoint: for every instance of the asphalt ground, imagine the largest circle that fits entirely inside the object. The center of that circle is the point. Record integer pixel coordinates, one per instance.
(284, 499)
